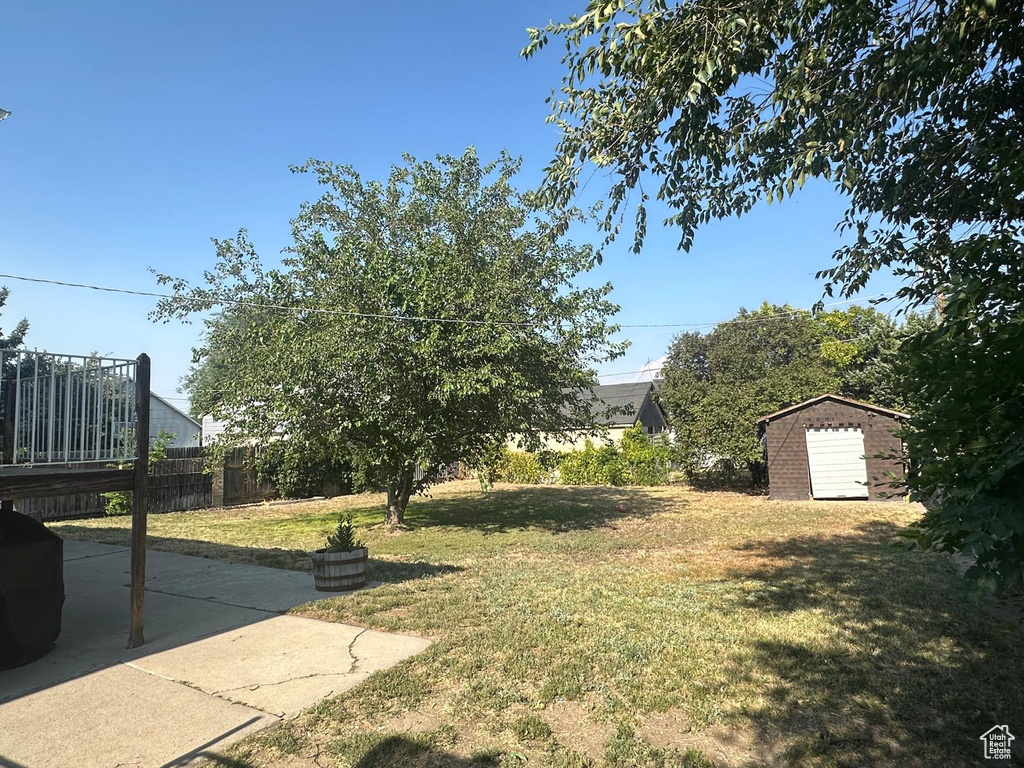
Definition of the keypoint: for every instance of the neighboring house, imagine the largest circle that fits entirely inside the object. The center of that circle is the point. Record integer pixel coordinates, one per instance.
(213, 428)
(828, 448)
(164, 417)
(617, 407)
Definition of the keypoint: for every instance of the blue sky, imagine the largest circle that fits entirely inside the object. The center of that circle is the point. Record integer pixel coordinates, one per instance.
(141, 130)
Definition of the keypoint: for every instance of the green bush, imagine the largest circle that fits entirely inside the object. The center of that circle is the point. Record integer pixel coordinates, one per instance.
(644, 462)
(592, 466)
(520, 467)
(299, 470)
(118, 503)
(344, 538)
(634, 461)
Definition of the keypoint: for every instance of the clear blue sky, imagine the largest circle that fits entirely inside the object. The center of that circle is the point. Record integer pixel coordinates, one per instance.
(141, 130)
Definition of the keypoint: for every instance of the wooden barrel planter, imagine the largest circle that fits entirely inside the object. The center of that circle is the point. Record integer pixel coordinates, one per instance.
(339, 571)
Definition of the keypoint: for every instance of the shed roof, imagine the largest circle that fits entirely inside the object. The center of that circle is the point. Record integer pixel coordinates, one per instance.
(838, 399)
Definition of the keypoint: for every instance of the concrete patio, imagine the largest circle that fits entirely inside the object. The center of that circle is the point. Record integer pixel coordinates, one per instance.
(221, 661)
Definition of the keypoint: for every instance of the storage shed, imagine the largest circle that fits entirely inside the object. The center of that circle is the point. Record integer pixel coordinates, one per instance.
(825, 448)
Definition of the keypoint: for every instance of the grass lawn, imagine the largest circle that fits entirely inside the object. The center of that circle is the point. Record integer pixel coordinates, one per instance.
(691, 629)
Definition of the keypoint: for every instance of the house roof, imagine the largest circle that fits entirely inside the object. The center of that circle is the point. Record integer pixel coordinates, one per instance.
(617, 405)
(155, 396)
(838, 399)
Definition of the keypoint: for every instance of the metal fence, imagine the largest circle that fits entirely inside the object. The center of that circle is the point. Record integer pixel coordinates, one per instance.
(66, 409)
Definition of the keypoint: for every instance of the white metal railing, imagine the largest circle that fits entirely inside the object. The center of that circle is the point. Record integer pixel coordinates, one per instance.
(66, 409)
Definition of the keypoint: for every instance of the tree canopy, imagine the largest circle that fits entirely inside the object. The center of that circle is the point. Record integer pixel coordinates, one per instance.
(414, 320)
(912, 111)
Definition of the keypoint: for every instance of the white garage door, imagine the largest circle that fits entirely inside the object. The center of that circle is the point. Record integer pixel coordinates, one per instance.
(836, 459)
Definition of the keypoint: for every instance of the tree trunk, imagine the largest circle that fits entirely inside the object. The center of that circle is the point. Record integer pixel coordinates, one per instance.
(399, 491)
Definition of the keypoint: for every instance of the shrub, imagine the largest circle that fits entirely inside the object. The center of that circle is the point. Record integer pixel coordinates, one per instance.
(592, 466)
(634, 461)
(344, 537)
(118, 503)
(520, 467)
(298, 470)
(644, 462)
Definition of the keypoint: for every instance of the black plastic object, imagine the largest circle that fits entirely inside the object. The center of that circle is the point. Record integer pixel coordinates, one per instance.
(31, 589)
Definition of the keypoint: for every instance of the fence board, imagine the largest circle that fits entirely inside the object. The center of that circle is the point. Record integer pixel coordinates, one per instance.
(241, 485)
(176, 484)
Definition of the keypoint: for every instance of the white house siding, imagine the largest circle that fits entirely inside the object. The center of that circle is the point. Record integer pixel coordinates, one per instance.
(163, 417)
(212, 428)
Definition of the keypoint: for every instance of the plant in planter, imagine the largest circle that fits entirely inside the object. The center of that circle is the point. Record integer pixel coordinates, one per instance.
(341, 565)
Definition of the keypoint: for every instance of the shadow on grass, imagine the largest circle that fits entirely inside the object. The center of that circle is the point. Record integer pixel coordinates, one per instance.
(553, 508)
(385, 571)
(916, 673)
(413, 752)
(387, 752)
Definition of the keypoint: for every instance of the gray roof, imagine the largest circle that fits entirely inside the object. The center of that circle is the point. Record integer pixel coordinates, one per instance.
(617, 405)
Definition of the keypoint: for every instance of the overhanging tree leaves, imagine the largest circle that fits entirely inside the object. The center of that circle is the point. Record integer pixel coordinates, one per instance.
(415, 320)
(16, 337)
(914, 111)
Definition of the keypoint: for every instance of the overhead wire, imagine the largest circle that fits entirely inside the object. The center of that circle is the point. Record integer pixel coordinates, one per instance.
(407, 318)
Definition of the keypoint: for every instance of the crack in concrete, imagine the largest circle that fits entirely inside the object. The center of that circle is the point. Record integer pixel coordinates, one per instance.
(119, 551)
(257, 686)
(351, 651)
(215, 601)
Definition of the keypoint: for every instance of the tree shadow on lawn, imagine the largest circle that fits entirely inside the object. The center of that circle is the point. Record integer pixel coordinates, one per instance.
(558, 509)
(384, 571)
(917, 672)
(412, 752)
(388, 752)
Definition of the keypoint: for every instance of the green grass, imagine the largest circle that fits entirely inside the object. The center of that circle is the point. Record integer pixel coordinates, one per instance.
(692, 629)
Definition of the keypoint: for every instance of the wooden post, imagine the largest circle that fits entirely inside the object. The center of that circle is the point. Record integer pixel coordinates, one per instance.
(140, 501)
(10, 397)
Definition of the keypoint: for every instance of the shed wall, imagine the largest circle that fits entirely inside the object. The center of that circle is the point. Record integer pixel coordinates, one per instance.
(788, 473)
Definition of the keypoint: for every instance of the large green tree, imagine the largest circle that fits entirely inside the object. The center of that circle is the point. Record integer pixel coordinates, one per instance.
(416, 320)
(914, 111)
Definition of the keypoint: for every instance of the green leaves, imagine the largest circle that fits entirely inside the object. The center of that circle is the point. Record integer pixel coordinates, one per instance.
(416, 320)
(913, 113)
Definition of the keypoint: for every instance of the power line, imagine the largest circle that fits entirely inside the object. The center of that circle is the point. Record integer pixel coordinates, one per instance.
(407, 318)
(261, 305)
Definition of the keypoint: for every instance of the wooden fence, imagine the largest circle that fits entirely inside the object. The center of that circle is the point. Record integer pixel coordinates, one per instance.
(176, 484)
(240, 484)
(180, 482)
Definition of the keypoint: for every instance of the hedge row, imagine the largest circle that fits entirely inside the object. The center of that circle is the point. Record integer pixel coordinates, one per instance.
(632, 461)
